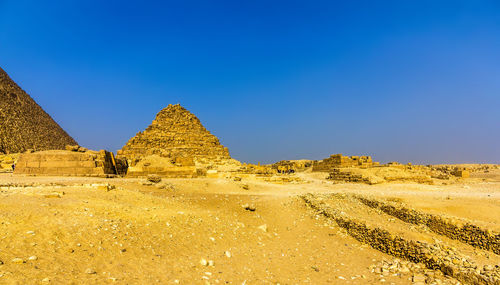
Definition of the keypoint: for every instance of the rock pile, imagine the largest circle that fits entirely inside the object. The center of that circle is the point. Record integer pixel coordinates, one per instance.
(24, 124)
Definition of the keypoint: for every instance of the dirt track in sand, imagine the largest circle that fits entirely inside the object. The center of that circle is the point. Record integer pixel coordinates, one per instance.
(139, 234)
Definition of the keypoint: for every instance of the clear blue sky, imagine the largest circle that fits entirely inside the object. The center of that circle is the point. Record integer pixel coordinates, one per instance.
(407, 81)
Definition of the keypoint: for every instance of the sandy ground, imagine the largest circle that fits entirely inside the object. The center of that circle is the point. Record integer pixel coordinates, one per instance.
(199, 233)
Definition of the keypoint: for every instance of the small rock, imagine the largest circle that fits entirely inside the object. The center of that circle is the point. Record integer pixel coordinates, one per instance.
(488, 267)
(33, 257)
(247, 207)
(418, 278)
(263, 228)
(30, 232)
(18, 260)
(90, 271)
(46, 280)
(72, 147)
(53, 195)
(153, 178)
(204, 262)
(228, 254)
(1, 262)
(245, 186)
(211, 263)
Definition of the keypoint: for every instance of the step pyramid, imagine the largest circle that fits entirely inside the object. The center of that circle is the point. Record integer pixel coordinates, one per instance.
(175, 133)
(24, 124)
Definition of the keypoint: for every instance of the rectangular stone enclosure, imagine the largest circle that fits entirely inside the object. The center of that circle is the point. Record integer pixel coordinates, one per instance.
(67, 163)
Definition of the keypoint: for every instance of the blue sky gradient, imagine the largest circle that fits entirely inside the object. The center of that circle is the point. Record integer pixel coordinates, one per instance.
(403, 81)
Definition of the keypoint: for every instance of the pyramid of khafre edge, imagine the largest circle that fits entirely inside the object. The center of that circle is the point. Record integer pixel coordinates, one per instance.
(175, 132)
(24, 124)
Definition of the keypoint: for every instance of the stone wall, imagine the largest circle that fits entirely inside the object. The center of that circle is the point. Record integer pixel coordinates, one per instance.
(463, 231)
(338, 160)
(162, 166)
(66, 163)
(433, 256)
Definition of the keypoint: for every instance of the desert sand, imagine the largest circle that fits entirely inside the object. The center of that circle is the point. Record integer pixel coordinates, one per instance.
(87, 230)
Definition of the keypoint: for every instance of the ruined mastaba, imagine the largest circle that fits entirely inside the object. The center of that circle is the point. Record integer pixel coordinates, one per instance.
(175, 132)
(339, 160)
(67, 163)
(24, 124)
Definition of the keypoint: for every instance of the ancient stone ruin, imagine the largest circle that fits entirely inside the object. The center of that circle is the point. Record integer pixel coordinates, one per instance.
(79, 162)
(173, 145)
(24, 124)
(339, 161)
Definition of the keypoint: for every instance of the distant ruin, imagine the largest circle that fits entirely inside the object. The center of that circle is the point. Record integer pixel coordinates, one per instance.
(339, 161)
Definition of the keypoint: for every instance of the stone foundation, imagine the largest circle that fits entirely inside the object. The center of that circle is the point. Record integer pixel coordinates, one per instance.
(66, 163)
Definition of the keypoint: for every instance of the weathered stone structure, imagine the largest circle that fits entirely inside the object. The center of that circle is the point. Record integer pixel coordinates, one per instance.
(174, 145)
(67, 163)
(175, 132)
(339, 161)
(162, 166)
(24, 124)
(7, 161)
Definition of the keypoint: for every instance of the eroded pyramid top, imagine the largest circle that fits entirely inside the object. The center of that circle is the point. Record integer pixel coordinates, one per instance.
(175, 132)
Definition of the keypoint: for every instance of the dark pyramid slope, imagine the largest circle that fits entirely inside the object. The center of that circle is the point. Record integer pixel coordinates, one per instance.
(24, 124)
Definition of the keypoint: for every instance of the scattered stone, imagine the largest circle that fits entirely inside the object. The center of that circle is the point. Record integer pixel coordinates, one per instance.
(18, 260)
(488, 267)
(53, 195)
(248, 207)
(418, 278)
(263, 228)
(153, 178)
(33, 257)
(228, 254)
(204, 262)
(72, 147)
(46, 280)
(245, 186)
(90, 271)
